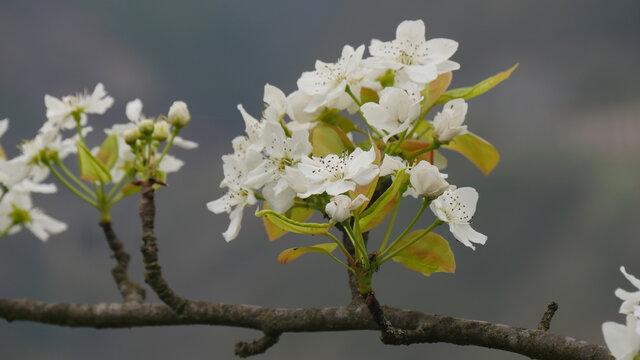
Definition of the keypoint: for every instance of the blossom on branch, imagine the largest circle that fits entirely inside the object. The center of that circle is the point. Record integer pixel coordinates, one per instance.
(456, 208)
(60, 111)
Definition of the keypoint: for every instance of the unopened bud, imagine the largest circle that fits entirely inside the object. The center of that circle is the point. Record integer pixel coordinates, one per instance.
(146, 127)
(161, 131)
(179, 114)
(131, 136)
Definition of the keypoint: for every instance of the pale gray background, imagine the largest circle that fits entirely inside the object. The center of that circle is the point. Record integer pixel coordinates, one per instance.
(561, 209)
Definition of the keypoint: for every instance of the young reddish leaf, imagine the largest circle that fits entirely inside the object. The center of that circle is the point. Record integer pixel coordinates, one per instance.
(328, 139)
(368, 95)
(427, 255)
(293, 253)
(90, 168)
(108, 152)
(288, 224)
(433, 91)
(299, 214)
(376, 213)
(411, 146)
(478, 89)
(479, 151)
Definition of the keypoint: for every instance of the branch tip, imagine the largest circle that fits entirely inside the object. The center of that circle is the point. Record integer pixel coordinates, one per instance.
(545, 322)
(245, 349)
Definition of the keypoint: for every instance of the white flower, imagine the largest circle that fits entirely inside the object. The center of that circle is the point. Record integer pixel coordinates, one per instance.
(456, 207)
(179, 114)
(412, 56)
(61, 111)
(297, 101)
(338, 174)
(276, 102)
(427, 180)
(4, 125)
(279, 152)
(237, 197)
(448, 123)
(395, 112)
(392, 164)
(629, 299)
(622, 340)
(328, 82)
(341, 206)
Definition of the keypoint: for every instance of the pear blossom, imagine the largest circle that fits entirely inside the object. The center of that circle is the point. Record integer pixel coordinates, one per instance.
(456, 207)
(328, 82)
(427, 180)
(447, 124)
(622, 340)
(276, 102)
(4, 126)
(297, 102)
(335, 174)
(630, 300)
(412, 56)
(237, 197)
(392, 164)
(395, 112)
(341, 206)
(280, 152)
(61, 112)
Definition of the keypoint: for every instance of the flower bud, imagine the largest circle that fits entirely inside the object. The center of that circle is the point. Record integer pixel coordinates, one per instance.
(427, 180)
(179, 114)
(146, 127)
(131, 136)
(161, 131)
(340, 207)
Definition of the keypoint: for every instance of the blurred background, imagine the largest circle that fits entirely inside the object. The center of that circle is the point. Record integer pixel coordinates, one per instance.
(561, 209)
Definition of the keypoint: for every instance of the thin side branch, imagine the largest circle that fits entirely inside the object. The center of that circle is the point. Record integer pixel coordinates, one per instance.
(427, 328)
(545, 322)
(245, 349)
(153, 273)
(131, 292)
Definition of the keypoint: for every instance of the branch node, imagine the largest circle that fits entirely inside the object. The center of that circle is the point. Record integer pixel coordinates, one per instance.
(245, 349)
(545, 322)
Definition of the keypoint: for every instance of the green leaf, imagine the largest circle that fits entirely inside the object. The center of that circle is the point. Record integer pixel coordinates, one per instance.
(287, 224)
(376, 213)
(293, 253)
(130, 189)
(108, 153)
(297, 213)
(478, 89)
(332, 117)
(90, 168)
(368, 95)
(328, 139)
(427, 255)
(478, 150)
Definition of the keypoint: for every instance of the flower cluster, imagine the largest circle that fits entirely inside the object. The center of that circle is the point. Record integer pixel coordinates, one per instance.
(624, 340)
(130, 151)
(303, 152)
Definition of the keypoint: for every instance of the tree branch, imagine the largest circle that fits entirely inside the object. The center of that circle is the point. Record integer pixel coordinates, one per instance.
(131, 292)
(153, 273)
(428, 328)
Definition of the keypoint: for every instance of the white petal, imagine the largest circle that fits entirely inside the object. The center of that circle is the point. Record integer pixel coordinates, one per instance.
(234, 226)
(134, 110)
(185, 144)
(413, 31)
(466, 235)
(4, 125)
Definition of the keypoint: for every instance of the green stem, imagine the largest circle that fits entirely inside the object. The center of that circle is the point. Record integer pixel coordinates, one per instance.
(434, 145)
(391, 221)
(344, 250)
(73, 178)
(358, 244)
(435, 223)
(117, 186)
(7, 229)
(394, 148)
(355, 99)
(166, 148)
(77, 117)
(70, 187)
(425, 203)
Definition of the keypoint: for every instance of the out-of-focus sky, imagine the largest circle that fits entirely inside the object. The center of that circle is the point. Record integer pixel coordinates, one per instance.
(560, 210)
